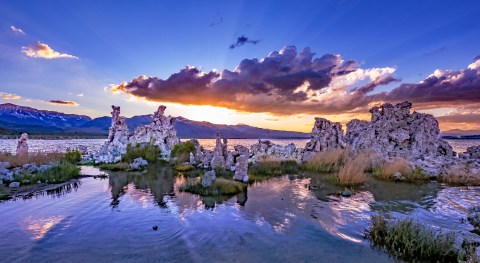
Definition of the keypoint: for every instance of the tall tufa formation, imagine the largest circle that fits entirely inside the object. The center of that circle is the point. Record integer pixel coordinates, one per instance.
(22, 145)
(159, 132)
(218, 159)
(116, 144)
(326, 135)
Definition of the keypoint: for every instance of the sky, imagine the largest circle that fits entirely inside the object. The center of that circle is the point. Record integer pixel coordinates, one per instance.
(270, 64)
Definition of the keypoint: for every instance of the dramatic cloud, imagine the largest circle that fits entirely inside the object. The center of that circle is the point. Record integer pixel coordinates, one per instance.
(17, 30)
(41, 50)
(9, 96)
(64, 102)
(242, 41)
(444, 88)
(286, 82)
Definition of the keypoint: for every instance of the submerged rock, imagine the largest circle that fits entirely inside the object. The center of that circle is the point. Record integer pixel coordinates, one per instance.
(138, 163)
(208, 178)
(22, 145)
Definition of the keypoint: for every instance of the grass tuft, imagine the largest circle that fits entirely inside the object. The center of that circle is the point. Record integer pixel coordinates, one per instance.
(328, 161)
(410, 240)
(57, 174)
(387, 170)
(458, 175)
(73, 156)
(182, 167)
(39, 158)
(219, 187)
(352, 172)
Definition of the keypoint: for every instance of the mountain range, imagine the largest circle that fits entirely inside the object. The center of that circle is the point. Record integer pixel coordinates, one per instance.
(15, 119)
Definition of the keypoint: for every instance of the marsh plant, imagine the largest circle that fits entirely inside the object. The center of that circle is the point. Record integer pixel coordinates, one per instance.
(387, 170)
(352, 172)
(460, 175)
(73, 156)
(121, 166)
(39, 158)
(328, 161)
(408, 239)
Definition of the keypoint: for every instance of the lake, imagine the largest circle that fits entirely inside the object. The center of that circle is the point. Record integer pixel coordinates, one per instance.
(285, 219)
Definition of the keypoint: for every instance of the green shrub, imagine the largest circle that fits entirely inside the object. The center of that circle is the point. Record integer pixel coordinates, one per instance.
(219, 187)
(410, 240)
(220, 172)
(73, 156)
(181, 152)
(149, 152)
(115, 166)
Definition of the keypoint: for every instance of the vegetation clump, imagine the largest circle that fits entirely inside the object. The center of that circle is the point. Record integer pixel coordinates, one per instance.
(408, 239)
(182, 167)
(149, 152)
(458, 175)
(181, 152)
(40, 158)
(56, 174)
(328, 161)
(387, 171)
(220, 187)
(352, 172)
(73, 156)
(122, 166)
(271, 168)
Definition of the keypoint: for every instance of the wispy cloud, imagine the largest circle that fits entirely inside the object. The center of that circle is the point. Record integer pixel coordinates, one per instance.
(63, 102)
(9, 96)
(17, 30)
(242, 41)
(41, 50)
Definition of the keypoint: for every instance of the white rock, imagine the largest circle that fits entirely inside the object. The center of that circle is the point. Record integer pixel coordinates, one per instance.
(14, 185)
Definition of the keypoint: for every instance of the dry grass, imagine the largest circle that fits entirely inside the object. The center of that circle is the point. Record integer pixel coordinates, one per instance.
(329, 161)
(458, 175)
(38, 158)
(220, 187)
(388, 169)
(352, 172)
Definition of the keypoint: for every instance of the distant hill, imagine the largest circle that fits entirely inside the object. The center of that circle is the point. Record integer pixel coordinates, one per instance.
(460, 134)
(16, 119)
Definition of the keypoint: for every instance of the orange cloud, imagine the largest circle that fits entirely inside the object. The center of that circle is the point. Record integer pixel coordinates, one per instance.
(9, 96)
(41, 50)
(63, 102)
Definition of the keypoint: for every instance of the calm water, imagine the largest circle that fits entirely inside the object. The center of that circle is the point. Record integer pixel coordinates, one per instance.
(279, 220)
(95, 144)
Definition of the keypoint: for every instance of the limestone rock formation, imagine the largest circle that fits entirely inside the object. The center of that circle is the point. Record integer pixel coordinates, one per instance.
(473, 153)
(265, 149)
(241, 169)
(218, 159)
(241, 150)
(22, 145)
(395, 132)
(116, 144)
(326, 135)
(159, 132)
(208, 178)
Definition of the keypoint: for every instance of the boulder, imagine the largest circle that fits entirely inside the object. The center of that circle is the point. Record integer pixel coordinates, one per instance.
(14, 185)
(138, 164)
(472, 152)
(6, 174)
(208, 178)
(473, 216)
(22, 145)
(241, 150)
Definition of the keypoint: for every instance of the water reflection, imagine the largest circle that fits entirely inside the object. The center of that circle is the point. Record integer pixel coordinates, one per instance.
(40, 227)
